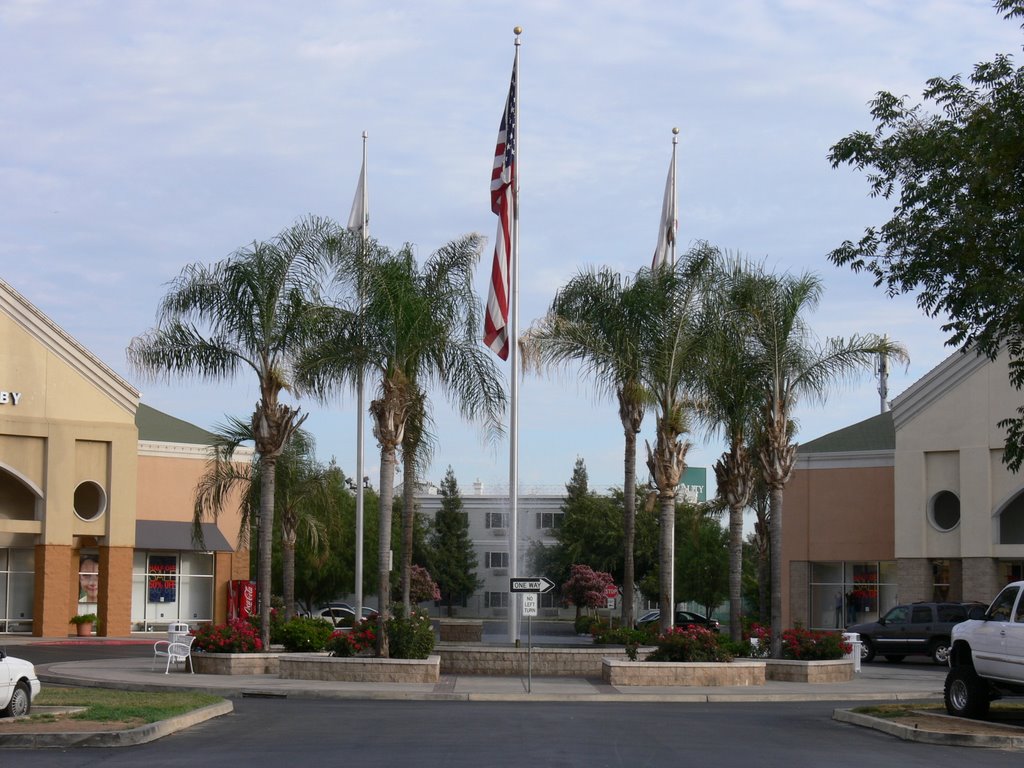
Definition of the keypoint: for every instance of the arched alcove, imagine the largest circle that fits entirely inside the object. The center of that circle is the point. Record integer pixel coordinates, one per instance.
(17, 498)
(1011, 521)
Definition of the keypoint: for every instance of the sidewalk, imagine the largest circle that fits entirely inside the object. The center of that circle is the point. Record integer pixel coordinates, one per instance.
(874, 682)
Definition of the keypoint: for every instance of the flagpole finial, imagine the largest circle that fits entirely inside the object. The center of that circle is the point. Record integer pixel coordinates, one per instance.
(675, 131)
(518, 30)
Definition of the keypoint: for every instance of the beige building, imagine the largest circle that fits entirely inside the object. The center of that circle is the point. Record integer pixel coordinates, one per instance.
(96, 494)
(912, 504)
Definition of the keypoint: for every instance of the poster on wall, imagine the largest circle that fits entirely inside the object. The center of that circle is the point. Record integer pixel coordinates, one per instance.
(88, 578)
(162, 578)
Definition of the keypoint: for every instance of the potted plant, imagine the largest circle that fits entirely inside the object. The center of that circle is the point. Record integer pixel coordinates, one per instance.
(84, 622)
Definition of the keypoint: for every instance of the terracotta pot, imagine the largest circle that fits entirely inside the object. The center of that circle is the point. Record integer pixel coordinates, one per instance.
(84, 630)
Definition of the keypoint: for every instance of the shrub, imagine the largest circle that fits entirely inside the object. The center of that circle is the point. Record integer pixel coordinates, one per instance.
(304, 633)
(355, 642)
(804, 645)
(237, 636)
(584, 625)
(690, 643)
(630, 638)
(410, 637)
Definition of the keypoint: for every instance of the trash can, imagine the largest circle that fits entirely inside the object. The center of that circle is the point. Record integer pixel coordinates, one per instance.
(853, 639)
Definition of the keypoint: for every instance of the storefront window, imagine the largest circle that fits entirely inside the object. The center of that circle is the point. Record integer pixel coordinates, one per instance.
(17, 588)
(844, 593)
(168, 586)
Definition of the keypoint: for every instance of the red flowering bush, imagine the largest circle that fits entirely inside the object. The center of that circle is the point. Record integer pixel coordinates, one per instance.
(359, 640)
(805, 645)
(237, 636)
(690, 643)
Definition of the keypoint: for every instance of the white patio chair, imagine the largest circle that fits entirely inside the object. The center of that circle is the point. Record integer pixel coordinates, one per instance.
(178, 651)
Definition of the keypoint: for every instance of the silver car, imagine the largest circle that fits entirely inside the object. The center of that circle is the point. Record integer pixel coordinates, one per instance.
(18, 686)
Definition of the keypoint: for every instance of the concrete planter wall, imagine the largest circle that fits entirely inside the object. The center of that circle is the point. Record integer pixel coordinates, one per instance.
(236, 663)
(359, 669)
(461, 630)
(547, 662)
(837, 671)
(651, 673)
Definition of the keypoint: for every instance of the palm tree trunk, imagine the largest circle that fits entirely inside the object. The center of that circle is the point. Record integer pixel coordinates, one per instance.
(775, 496)
(735, 572)
(629, 528)
(667, 571)
(288, 566)
(408, 514)
(266, 543)
(387, 497)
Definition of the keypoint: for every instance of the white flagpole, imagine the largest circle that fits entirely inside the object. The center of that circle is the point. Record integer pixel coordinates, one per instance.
(364, 230)
(513, 426)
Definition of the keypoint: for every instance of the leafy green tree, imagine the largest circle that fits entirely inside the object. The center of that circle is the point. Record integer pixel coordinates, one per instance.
(702, 556)
(410, 326)
(255, 311)
(453, 559)
(598, 321)
(953, 166)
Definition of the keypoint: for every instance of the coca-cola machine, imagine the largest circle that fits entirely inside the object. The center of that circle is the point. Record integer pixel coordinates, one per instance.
(241, 599)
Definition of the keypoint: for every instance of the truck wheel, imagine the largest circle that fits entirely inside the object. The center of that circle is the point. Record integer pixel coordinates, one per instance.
(867, 649)
(940, 651)
(21, 701)
(966, 694)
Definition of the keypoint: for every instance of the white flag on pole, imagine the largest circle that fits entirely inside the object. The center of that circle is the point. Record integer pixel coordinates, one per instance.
(664, 253)
(359, 218)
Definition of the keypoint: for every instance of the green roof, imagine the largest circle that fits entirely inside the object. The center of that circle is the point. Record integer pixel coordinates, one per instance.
(160, 427)
(874, 434)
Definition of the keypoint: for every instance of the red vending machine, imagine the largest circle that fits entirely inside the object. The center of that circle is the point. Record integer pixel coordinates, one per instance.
(241, 599)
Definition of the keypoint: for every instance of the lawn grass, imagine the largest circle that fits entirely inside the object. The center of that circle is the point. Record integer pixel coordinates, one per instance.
(888, 711)
(108, 705)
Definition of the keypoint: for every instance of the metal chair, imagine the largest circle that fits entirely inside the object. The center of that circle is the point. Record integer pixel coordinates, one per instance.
(180, 650)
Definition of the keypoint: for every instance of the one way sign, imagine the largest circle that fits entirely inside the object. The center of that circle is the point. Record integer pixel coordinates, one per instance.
(539, 584)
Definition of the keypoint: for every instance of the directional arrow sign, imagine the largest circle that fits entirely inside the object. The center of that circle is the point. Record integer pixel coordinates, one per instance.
(533, 584)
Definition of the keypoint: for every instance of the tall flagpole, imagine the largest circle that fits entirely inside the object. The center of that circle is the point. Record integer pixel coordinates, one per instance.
(364, 229)
(513, 425)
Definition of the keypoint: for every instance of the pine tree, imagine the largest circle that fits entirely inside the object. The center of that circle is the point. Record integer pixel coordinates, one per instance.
(454, 560)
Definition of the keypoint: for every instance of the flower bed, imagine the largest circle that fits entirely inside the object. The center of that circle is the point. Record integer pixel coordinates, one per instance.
(359, 669)
(696, 673)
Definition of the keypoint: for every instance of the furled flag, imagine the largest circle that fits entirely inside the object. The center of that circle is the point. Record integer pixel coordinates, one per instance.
(665, 252)
(359, 218)
(503, 201)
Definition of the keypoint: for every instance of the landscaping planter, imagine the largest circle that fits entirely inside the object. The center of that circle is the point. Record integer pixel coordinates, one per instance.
(504, 660)
(235, 663)
(461, 630)
(837, 671)
(359, 669)
(653, 673)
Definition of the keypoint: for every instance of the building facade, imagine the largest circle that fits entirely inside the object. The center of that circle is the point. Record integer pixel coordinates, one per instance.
(912, 504)
(96, 494)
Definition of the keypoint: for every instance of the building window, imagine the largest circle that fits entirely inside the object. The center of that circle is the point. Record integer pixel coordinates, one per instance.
(495, 559)
(495, 599)
(940, 580)
(497, 519)
(550, 520)
(945, 510)
(171, 586)
(90, 500)
(845, 593)
(17, 587)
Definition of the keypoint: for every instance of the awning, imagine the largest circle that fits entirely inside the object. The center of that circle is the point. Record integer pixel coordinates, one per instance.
(162, 534)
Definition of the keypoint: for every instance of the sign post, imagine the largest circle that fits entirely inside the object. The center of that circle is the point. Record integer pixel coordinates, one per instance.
(531, 587)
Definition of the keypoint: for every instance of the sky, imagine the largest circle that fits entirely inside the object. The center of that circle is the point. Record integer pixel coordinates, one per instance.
(139, 137)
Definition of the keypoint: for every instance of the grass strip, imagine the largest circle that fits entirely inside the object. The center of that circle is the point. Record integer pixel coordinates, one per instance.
(105, 705)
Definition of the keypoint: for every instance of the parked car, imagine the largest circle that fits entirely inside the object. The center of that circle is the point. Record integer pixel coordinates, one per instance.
(986, 661)
(18, 686)
(921, 629)
(683, 619)
(340, 615)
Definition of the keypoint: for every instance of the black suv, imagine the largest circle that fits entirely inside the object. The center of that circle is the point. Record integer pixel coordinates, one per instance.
(918, 629)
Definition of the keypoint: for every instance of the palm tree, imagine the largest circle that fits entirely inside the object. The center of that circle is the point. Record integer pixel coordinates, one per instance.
(672, 357)
(727, 390)
(793, 365)
(599, 321)
(300, 486)
(254, 310)
(412, 328)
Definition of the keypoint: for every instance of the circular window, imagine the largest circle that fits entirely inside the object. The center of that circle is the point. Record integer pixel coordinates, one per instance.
(946, 510)
(90, 500)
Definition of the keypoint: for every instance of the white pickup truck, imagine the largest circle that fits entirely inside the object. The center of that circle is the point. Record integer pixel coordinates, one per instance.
(986, 661)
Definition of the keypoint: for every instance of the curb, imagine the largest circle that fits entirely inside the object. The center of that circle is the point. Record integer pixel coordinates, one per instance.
(928, 737)
(127, 738)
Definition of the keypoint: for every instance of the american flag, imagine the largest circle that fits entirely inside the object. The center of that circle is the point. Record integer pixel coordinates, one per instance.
(503, 201)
